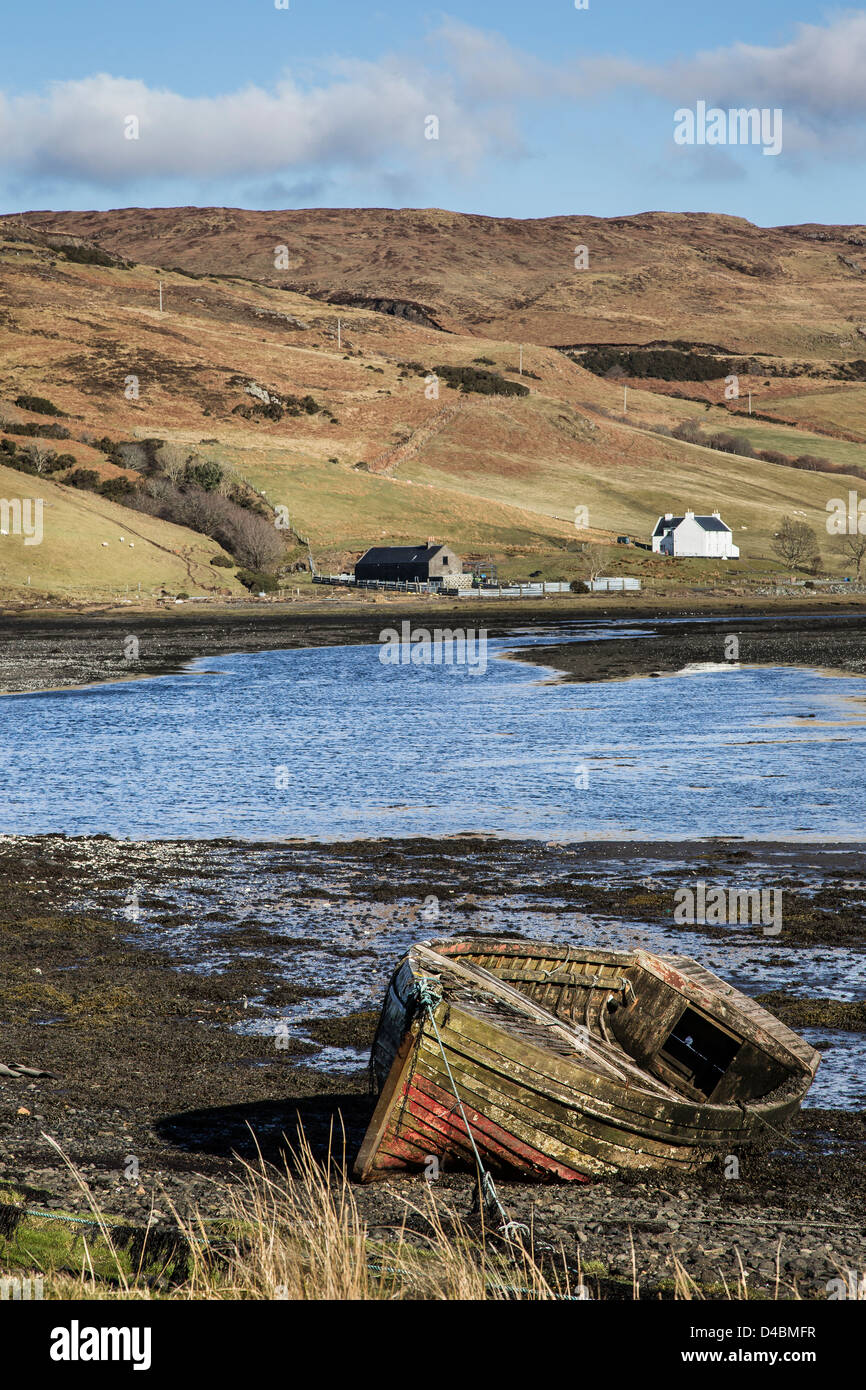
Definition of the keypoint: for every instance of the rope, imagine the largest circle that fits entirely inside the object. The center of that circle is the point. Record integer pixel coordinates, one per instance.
(114, 1227)
(427, 996)
(59, 1216)
(789, 1138)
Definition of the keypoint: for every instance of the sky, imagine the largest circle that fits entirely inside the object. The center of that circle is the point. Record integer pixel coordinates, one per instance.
(499, 107)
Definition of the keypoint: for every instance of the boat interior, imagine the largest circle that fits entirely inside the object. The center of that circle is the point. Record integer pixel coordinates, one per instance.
(663, 1021)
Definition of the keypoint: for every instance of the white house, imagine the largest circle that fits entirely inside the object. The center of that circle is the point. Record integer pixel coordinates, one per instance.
(704, 536)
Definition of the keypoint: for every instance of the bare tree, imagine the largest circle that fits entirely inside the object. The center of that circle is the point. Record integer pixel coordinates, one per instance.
(257, 542)
(39, 457)
(229, 480)
(173, 459)
(795, 543)
(853, 549)
(594, 562)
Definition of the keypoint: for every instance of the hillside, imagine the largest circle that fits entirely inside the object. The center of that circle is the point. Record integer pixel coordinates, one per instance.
(697, 277)
(352, 445)
(91, 547)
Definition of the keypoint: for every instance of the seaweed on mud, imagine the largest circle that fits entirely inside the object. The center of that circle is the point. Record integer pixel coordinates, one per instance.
(353, 1030)
(815, 1013)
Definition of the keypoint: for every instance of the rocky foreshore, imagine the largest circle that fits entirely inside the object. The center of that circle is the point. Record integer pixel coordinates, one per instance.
(156, 1074)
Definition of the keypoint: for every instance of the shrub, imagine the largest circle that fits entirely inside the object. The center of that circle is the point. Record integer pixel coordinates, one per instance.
(86, 478)
(665, 364)
(688, 430)
(773, 456)
(482, 382)
(117, 489)
(813, 462)
(223, 561)
(731, 444)
(207, 475)
(39, 431)
(91, 255)
(40, 405)
(257, 581)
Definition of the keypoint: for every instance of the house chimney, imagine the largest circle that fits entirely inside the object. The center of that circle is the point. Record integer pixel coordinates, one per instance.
(669, 516)
(431, 540)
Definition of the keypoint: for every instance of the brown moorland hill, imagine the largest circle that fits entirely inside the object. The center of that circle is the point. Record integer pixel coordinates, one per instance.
(655, 276)
(375, 456)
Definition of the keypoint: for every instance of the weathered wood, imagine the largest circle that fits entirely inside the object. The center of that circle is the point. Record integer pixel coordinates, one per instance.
(545, 1096)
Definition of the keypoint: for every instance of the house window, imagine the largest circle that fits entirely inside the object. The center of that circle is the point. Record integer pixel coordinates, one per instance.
(444, 562)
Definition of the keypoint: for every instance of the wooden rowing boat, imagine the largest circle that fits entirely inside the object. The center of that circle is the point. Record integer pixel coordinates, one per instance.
(570, 1063)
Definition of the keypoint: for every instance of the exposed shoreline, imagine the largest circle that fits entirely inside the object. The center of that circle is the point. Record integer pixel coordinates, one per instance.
(41, 653)
(146, 1056)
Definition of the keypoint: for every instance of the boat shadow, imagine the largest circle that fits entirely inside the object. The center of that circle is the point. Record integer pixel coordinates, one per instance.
(330, 1123)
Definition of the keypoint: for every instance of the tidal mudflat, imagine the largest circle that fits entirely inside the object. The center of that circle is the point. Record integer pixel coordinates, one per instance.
(186, 996)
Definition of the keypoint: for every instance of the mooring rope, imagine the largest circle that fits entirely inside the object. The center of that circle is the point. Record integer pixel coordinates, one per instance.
(428, 996)
(755, 1114)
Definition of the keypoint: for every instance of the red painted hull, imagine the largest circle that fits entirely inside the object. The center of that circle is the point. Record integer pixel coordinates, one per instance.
(428, 1124)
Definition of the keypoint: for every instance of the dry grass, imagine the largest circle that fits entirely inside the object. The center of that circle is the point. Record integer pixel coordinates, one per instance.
(501, 477)
(297, 1234)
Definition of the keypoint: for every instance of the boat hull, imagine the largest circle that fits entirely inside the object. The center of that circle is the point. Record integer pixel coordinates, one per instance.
(539, 1098)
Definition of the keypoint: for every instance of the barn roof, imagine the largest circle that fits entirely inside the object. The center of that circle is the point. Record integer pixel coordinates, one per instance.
(400, 554)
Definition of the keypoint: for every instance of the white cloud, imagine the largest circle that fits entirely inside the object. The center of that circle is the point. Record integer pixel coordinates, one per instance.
(360, 118)
(817, 78)
(368, 118)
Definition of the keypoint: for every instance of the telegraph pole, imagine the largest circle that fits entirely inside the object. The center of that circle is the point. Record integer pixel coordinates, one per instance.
(521, 359)
(160, 296)
(339, 335)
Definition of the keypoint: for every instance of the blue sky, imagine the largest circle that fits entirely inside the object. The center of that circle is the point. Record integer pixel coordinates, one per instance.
(542, 109)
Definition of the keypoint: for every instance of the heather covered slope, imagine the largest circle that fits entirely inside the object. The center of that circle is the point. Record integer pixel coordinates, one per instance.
(697, 277)
(358, 451)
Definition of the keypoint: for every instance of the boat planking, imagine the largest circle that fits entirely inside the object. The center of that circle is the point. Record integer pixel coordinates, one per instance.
(571, 1064)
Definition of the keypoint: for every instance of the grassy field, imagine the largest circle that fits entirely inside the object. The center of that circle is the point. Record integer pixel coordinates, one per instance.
(92, 546)
(841, 407)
